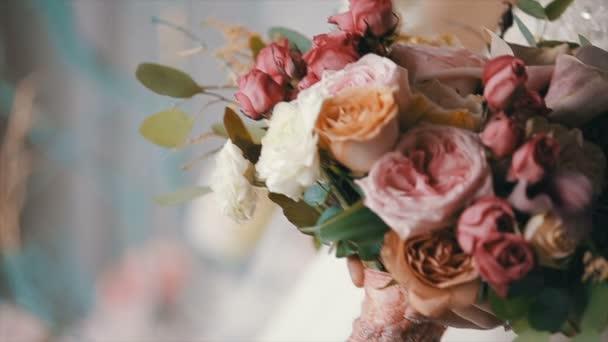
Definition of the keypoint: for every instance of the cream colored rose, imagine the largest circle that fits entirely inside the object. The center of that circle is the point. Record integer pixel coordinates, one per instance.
(359, 125)
(436, 273)
(550, 239)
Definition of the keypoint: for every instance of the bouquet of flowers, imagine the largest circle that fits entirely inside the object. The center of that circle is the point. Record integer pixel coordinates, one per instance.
(450, 179)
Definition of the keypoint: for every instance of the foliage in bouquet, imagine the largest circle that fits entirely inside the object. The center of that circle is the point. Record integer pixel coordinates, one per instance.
(467, 178)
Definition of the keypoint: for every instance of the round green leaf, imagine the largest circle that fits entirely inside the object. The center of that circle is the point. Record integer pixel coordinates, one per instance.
(316, 195)
(511, 308)
(550, 310)
(170, 128)
(167, 81)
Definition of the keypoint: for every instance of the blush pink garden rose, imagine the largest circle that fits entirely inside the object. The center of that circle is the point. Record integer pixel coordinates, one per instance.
(532, 160)
(258, 93)
(457, 68)
(281, 62)
(331, 51)
(486, 216)
(369, 71)
(434, 172)
(501, 135)
(375, 16)
(502, 259)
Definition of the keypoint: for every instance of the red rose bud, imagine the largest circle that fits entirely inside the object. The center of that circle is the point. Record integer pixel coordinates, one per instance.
(332, 51)
(503, 77)
(280, 62)
(488, 215)
(375, 16)
(532, 160)
(501, 135)
(258, 94)
(502, 259)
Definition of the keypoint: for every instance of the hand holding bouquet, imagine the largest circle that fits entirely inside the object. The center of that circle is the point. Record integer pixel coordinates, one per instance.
(469, 186)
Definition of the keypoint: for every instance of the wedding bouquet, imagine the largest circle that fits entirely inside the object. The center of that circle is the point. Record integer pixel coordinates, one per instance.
(456, 178)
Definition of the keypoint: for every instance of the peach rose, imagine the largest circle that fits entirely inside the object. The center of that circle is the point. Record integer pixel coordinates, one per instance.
(550, 239)
(359, 125)
(434, 173)
(437, 273)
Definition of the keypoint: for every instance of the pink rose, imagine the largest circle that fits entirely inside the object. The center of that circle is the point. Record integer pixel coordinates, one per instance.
(331, 51)
(532, 160)
(501, 135)
(370, 71)
(280, 62)
(506, 88)
(434, 172)
(258, 94)
(502, 259)
(375, 16)
(503, 77)
(486, 216)
(457, 68)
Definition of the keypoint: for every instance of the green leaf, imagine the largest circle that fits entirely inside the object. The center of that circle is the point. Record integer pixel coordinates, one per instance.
(345, 249)
(239, 135)
(587, 336)
(296, 39)
(256, 45)
(357, 224)
(525, 31)
(532, 335)
(316, 195)
(169, 128)
(219, 130)
(182, 195)
(369, 251)
(532, 7)
(530, 285)
(584, 41)
(556, 8)
(510, 308)
(549, 310)
(327, 214)
(596, 315)
(167, 81)
(298, 213)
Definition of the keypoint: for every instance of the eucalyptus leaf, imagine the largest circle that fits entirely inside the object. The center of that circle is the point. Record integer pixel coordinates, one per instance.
(219, 130)
(584, 41)
(298, 40)
(239, 135)
(165, 80)
(316, 195)
(345, 249)
(357, 224)
(510, 308)
(549, 310)
(525, 31)
(532, 7)
(169, 128)
(328, 213)
(595, 317)
(256, 45)
(182, 195)
(556, 8)
(369, 251)
(298, 213)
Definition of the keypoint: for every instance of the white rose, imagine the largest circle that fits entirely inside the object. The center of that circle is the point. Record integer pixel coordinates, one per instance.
(230, 182)
(289, 162)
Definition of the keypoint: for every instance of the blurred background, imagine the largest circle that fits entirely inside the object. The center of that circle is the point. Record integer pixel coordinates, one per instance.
(86, 254)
